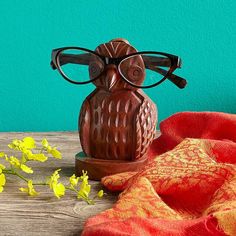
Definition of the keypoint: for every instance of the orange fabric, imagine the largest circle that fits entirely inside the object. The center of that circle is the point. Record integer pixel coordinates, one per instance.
(188, 187)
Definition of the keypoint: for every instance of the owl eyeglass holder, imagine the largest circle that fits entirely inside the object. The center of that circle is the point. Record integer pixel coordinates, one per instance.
(117, 121)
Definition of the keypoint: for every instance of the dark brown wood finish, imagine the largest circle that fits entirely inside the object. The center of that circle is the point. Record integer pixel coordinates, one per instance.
(117, 121)
(98, 168)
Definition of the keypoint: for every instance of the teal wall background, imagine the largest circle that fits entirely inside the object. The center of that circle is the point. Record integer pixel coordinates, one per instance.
(35, 98)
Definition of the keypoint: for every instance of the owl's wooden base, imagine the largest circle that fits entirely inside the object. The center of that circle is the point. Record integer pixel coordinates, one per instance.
(98, 168)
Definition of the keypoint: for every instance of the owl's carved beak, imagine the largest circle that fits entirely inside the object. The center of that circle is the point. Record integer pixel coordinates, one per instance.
(112, 76)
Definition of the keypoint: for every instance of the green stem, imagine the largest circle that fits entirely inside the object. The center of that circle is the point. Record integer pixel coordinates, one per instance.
(42, 149)
(89, 201)
(71, 188)
(20, 176)
(86, 199)
(13, 172)
(7, 171)
(40, 184)
(38, 148)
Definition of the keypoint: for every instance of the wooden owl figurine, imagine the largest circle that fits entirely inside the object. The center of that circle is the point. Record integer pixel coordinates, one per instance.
(117, 121)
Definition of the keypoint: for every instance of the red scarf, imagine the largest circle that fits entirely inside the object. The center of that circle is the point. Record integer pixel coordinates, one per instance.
(188, 187)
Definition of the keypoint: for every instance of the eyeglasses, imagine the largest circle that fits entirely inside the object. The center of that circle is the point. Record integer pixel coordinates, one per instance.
(74, 62)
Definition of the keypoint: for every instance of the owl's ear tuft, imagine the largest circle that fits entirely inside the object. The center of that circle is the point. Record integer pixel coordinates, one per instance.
(120, 40)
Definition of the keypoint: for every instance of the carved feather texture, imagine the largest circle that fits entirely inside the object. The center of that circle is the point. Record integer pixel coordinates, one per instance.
(111, 127)
(117, 122)
(145, 127)
(121, 127)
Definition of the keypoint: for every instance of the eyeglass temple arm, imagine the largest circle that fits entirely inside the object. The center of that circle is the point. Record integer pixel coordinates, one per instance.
(178, 81)
(82, 59)
(156, 61)
(152, 63)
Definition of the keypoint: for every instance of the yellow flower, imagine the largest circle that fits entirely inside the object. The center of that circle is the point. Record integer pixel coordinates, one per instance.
(16, 163)
(26, 169)
(54, 178)
(25, 147)
(84, 191)
(84, 175)
(2, 154)
(100, 194)
(30, 190)
(29, 143)
(2, 167)
(2, 180)
(52, 150)
(45, 143)
(15, 144)
(55, 153)
(74, 180)
(58, 188)
(85, 188)
(28, 155)
(13, 161)
(20, 145)
(38, 157)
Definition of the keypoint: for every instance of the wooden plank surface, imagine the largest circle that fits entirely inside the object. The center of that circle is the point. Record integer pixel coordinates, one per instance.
(44, 214)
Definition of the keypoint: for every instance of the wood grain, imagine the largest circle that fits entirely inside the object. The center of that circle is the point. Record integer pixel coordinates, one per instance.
(44, 214)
